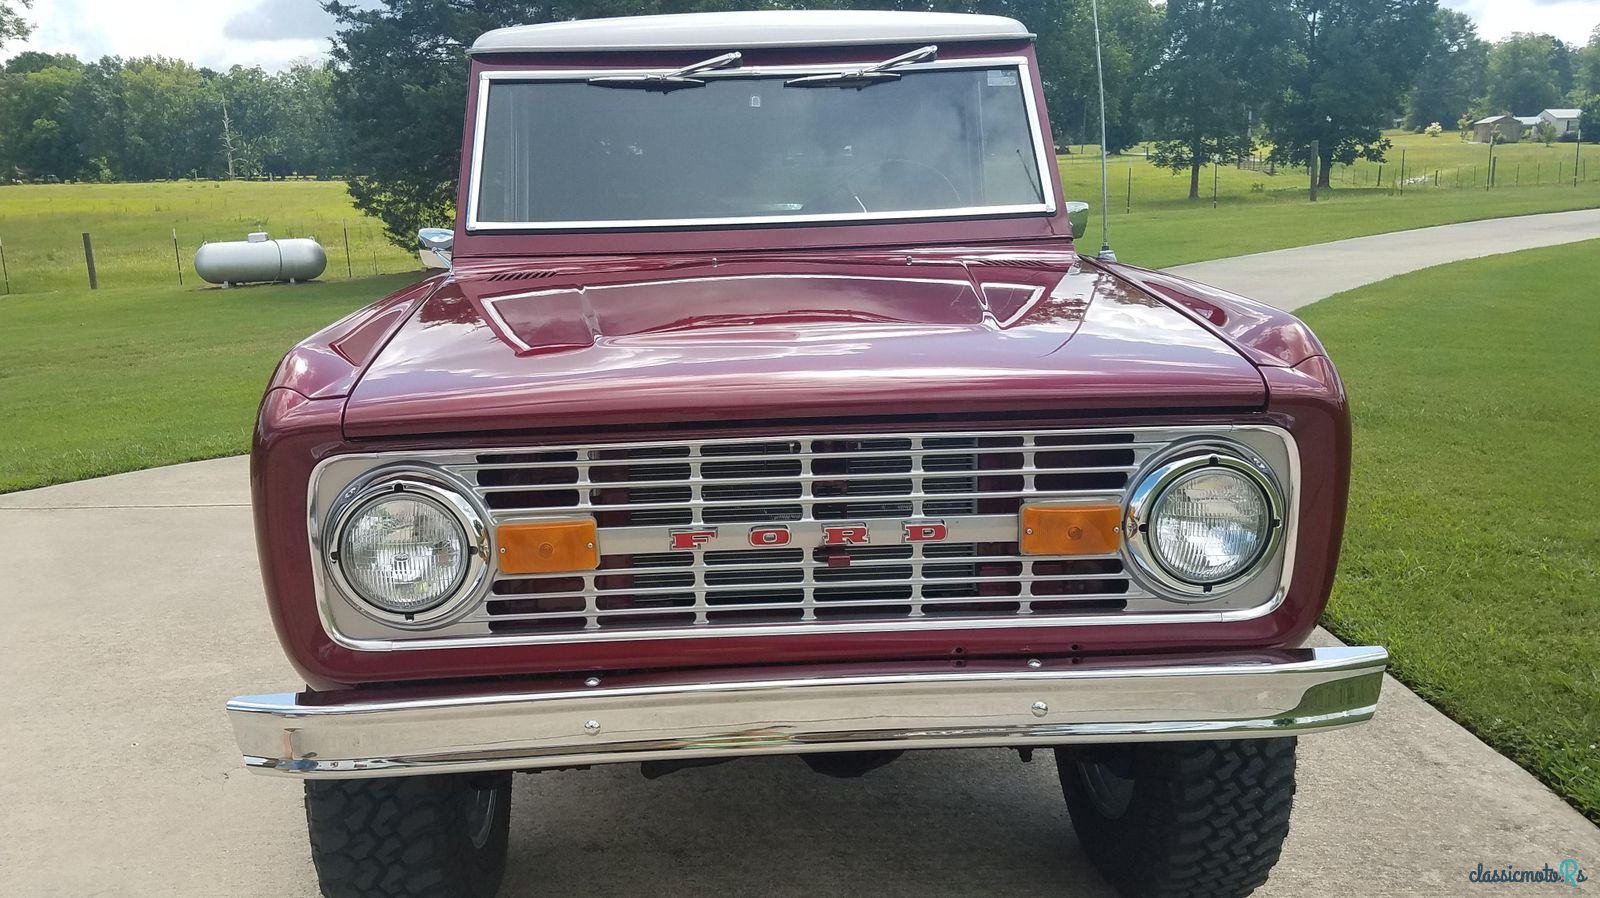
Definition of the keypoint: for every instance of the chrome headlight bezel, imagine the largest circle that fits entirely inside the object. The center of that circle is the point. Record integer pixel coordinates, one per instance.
(1166, 471)
(437, 489)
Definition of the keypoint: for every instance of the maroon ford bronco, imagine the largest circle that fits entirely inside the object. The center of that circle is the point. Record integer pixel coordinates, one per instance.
(768, 408)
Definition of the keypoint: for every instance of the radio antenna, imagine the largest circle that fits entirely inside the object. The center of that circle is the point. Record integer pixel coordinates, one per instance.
(1106, 254)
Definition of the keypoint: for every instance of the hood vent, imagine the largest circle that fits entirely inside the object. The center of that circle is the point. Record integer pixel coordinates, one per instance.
(1035, 264)
(525, 274)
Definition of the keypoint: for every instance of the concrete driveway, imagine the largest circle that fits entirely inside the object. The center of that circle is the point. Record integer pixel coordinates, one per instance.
(1291, 278)
(133, 610)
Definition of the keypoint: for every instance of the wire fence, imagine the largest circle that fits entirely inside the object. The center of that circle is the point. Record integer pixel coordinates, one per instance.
(146, 234)
(1137, 184)
(42, 262)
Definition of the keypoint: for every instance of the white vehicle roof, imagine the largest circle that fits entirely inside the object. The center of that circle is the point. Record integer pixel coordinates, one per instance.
(740, 30)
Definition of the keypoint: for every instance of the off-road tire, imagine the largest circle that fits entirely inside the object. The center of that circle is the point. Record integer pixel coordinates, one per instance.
(412, 836)
(1202, 819)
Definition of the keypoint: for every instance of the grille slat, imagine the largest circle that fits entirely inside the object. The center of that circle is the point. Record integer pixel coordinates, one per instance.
(932, 561)
(1098, 601)
(714, 586)
(868, 454)
(891, 477)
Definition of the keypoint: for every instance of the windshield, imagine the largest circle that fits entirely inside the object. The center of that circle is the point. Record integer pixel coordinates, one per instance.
(749, 149)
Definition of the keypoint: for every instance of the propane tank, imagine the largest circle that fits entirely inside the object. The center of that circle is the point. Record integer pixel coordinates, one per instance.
(260, 259)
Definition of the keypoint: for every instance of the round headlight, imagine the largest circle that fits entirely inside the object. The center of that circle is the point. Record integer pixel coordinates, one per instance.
(408, 549)
(1209, 525)
(403, 553)
(1204, 521)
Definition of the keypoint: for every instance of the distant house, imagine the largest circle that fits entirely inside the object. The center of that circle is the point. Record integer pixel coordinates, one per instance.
(1510, 127)
(1564, 120)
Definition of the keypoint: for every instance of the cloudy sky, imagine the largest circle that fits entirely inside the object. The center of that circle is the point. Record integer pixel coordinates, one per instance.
(273, 33)
(215, 33)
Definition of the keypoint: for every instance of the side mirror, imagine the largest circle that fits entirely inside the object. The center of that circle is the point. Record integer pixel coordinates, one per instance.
(438, 242)
(1078, 217)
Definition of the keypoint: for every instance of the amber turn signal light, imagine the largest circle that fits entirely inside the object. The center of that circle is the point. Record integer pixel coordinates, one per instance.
(543, 547)
(1070, 529)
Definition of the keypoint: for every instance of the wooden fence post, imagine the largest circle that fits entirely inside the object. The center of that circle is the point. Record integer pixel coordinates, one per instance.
(88, 258)
(1316, 160)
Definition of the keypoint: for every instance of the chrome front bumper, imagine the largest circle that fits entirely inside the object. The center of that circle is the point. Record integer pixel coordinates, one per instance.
(899, 706)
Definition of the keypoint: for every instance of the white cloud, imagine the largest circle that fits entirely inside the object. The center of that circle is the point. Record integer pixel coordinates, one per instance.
(280, 20)
(214, 33)
(1570, 20)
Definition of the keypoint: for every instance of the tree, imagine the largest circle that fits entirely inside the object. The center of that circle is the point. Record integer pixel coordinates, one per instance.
(1354, 60)
(313, 140)
(1590, 122)
(1523, 76)
(44, 135)
(400, 90)
(1221, 60)
(12, 25)
(1131, 32)
(253, 102)
(171, 123)
(1434, 129)
(1586, 70)
(1452, 73)
(35, 61)
(1545, 133)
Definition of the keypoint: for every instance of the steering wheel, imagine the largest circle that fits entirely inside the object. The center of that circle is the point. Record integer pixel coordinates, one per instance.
(910, 165)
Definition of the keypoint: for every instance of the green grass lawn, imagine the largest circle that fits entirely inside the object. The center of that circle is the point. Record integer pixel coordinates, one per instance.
(1256, 212)
(1473, 548)
(116, 380)
(42, 226)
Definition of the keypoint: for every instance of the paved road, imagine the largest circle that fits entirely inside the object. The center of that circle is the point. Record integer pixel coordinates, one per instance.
(133, 610)
(1291, 278)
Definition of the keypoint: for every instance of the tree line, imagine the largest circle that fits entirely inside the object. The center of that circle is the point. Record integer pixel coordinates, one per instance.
(152, 118)
(1202, 81)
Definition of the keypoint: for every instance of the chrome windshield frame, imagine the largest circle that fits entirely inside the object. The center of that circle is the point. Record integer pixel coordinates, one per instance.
(1043, 155)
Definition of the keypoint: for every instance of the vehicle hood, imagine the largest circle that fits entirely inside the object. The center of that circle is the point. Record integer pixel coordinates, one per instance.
(617, 342)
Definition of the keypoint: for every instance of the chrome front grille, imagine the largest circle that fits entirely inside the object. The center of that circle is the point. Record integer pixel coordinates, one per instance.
(974, 483)
(971, 483)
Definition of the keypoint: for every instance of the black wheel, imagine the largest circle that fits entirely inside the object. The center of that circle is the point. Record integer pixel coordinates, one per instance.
(412, 836)
(1192, 819)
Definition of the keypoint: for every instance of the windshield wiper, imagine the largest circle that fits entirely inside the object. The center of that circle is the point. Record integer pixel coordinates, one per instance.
(872, 74)
(665, 81)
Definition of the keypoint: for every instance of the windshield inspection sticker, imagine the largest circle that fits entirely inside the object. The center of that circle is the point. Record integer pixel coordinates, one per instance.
(1002, 78)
